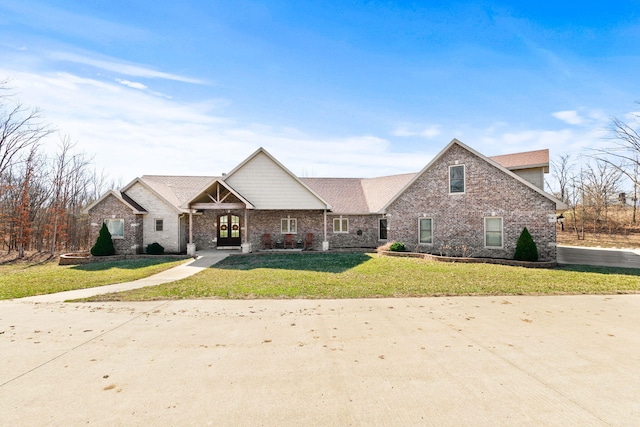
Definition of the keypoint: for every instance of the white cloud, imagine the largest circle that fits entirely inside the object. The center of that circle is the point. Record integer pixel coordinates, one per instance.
(121, 67)
(132, 132)
(407, 130)
(570, 116)
(133, 85)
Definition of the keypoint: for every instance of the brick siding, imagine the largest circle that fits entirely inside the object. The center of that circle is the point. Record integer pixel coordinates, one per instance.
(111, 207)
(458, 219)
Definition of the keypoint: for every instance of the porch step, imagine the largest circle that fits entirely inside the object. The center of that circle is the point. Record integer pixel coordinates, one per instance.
(230, 248)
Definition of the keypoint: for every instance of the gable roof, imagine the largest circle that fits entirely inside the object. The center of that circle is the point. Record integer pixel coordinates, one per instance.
(177, 190)
(267, 184)
(122, 198)
(559, 204)
(525, 160)
(358, 195)
(202, 190)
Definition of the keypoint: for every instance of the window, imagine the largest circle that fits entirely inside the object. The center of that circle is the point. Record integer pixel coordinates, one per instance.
(456, 179)
(289, 226)
(426, 230)
(159, 225)
(382, 229)
(340, 225)
(493, 232)
(115, 227)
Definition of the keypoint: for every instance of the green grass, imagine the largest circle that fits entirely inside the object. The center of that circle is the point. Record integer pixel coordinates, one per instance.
(358, 275)
(20, 279)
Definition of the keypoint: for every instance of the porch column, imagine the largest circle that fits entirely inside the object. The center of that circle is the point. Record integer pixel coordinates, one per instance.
(246, 244)
(325, 242)
(191, 247)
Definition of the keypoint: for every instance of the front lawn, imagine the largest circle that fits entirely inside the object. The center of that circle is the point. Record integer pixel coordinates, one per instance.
(358, 275)
(21, 279)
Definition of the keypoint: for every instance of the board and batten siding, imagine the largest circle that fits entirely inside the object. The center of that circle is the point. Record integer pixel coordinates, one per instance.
(268, 186)
(157, 209)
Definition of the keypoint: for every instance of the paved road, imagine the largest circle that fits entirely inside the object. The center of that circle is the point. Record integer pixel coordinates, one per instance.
(598, 256)
(481, 361)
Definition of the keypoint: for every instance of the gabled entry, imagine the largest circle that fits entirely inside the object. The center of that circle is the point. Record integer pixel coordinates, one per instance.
(229, 230)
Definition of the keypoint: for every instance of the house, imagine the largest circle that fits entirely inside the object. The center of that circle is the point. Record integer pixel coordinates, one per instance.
(461, 203)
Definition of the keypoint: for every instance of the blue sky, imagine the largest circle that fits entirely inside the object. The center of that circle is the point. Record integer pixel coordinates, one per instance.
(330, 88)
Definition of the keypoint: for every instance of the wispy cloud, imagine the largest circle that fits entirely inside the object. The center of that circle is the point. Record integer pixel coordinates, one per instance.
(408, 130)
(570, 116)
(132, 132)
(121, 67)
(133, 85)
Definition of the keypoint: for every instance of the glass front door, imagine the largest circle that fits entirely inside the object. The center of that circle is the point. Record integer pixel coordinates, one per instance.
(229, 230)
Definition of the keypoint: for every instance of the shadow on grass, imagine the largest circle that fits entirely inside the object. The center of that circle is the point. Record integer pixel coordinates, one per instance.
(336, 262)
(125, 264)
(578, 268)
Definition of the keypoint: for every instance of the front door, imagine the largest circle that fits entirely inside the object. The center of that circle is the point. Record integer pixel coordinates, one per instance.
(229, 230)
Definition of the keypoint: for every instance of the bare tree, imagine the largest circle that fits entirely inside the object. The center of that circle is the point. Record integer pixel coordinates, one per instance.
(600, 187)
(624, 155)
(20, 129)
(561, 170)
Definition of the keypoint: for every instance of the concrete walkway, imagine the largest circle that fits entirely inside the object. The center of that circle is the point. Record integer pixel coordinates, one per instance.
(204, 259)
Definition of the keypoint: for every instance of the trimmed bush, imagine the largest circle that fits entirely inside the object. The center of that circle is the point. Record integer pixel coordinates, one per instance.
(104, 244)
(526, 249)
(397, 247)
(155, 249)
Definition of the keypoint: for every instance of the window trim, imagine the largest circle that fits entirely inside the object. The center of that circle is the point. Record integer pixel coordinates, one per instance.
(340, 220)
(464, 179)
(155, 224)
(109, 220)
(420, 219)
(501, 232)
(386, 229)
(289, 221)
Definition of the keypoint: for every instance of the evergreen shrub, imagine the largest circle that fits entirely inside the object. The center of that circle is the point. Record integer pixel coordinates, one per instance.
(526, 249)
(104, 243)
(397, 247)
(155, 248)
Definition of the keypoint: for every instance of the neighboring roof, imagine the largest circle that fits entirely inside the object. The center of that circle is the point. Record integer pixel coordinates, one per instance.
(135, 208)
(526, 160)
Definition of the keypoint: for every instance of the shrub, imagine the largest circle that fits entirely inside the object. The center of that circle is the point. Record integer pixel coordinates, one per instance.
(526, 249)
(104, 244)
(155, 249)
(397, 247)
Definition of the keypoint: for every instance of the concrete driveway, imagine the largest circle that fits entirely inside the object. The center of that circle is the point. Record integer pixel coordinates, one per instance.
(487, 361)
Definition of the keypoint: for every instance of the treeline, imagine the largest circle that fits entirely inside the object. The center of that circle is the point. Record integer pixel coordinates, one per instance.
(41, 191)
(601, 186)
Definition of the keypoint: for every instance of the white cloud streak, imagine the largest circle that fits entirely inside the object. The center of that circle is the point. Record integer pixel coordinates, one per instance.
(571, 117)
(121, 67)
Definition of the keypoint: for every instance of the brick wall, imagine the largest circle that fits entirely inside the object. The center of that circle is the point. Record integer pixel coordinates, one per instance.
(363, 229)
(111, 207)
(458, 220)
